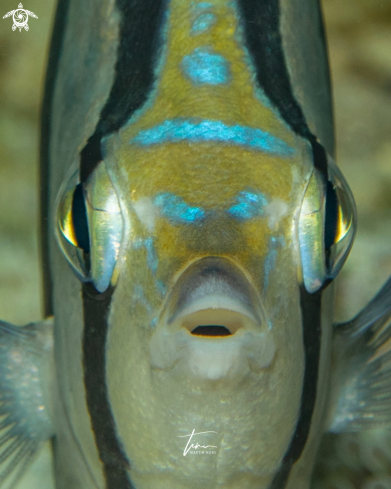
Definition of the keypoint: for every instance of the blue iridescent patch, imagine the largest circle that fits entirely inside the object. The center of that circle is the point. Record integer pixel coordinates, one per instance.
(269, 264)
(248, 205)
(176, 210)
(199, 130)
(161, 287)
(202, 23)
(139, 296)
(152, 259)
(153, 323)
(202, 6)
(206, 67)
(152, 262)
(271, 258)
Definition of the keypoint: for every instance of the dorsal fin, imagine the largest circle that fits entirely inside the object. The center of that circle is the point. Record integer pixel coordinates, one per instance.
(26, 377)
(361, 377)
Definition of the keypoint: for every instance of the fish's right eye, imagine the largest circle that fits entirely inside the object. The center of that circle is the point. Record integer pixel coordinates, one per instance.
(71, 224)
(89, 227)
(79, 220)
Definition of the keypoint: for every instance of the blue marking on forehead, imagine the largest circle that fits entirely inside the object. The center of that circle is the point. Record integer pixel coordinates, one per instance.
(199, 131)
(175, 209)
(206, 67)
(248, 205)
(202, 23)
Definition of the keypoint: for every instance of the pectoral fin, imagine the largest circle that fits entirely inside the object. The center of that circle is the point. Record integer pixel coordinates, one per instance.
(361, 376)
(26, 379)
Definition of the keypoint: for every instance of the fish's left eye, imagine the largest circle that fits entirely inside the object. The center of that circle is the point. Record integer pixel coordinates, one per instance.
(89, 227)
(340, 220)
(327, 226)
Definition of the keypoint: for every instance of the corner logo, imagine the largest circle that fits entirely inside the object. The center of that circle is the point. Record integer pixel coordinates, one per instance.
(20, 17)
(194, 448)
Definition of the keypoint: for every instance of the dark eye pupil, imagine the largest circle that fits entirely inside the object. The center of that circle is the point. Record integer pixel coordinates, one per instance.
(79, 219)
(331, 219)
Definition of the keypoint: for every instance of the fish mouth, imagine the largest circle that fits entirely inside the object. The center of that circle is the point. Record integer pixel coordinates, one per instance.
(213, 298)
(215, 322)
(212, 325)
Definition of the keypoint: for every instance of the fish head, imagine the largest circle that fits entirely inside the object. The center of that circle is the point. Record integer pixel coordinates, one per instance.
(208, 251)
(213, 305)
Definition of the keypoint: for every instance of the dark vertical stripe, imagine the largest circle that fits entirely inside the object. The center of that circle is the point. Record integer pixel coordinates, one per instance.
(261, 23)
(60, 21)
(138, 52)
(319, 158)
(115, 464)
(140, 45)
(322, 34)
(140, 29)
(311, 320)
(140, 36)
(261, 19)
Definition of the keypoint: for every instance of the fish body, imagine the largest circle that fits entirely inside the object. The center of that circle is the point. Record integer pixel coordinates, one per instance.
(205, 147)
(189, 183)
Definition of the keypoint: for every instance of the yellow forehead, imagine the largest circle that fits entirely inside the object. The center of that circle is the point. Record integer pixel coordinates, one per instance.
(211, 178)
(206, 173)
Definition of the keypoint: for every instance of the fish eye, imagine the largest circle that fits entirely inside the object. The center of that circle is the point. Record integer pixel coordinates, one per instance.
(327, 227)
(79, 220)
(89, 227)
(341, 220)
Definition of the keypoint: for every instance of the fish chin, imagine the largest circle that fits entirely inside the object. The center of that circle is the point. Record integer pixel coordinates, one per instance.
(213, 359)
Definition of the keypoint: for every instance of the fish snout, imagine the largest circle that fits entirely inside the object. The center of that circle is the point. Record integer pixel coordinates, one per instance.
(213, 326)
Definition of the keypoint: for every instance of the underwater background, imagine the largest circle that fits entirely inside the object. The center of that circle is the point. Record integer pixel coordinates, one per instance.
(359, 37)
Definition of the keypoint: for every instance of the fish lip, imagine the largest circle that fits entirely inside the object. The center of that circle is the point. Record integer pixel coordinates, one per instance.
(213, 283)
(245, 347)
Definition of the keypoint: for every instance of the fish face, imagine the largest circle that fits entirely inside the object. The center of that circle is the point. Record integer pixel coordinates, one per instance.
(206, 325)
(208, 228)
(212, 334)
(205, 342)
